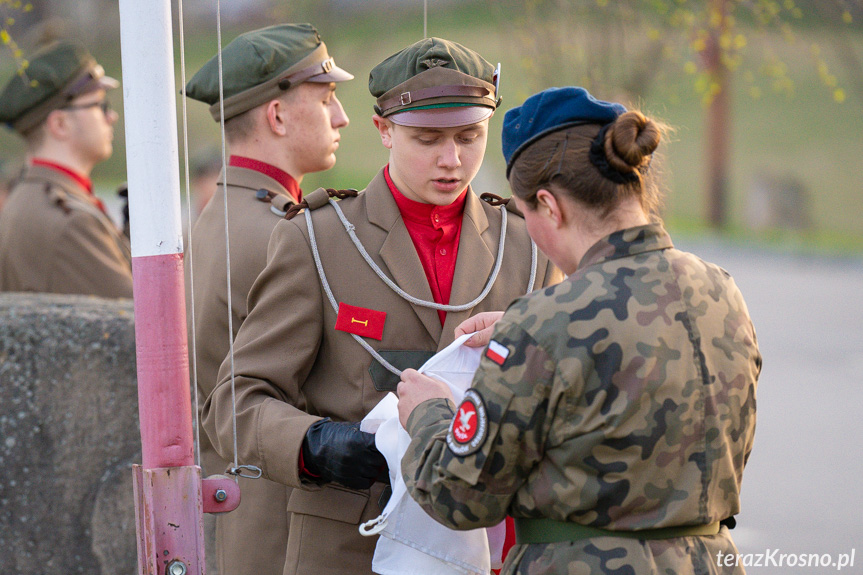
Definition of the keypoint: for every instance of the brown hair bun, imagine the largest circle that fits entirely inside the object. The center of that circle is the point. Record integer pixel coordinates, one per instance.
(630, 141)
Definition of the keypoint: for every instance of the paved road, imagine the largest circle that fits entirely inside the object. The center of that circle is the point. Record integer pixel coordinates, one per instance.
(803, 486)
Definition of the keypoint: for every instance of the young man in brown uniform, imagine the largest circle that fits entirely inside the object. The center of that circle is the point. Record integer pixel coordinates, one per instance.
(282, 121)
(55, 235)
(305, 373)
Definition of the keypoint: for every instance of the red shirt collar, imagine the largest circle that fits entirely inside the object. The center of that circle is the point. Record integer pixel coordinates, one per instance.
(85, 182)
(423, 213)
(281, 176)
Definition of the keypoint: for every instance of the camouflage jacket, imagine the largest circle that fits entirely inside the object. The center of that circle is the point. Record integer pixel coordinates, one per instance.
(621, 398)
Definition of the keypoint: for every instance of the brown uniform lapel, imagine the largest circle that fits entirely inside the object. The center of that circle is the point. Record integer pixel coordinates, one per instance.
(473, 265)
(398, 252)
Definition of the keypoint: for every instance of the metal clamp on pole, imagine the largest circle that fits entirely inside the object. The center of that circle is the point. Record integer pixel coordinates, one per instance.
(220, 494)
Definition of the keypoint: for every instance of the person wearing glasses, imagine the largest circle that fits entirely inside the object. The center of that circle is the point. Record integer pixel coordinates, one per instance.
(55, 234)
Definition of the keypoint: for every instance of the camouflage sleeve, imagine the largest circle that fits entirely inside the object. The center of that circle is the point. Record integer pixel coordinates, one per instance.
(464, 467)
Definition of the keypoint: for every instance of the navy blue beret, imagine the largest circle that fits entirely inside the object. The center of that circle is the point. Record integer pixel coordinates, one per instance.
(549, 111)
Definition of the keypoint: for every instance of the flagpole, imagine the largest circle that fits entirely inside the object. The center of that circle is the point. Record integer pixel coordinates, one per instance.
(152, 159)
(168, 485)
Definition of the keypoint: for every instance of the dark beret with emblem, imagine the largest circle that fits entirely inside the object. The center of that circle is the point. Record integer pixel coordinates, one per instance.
(549, 111)
(435, 82)
(54, 76)
(261, 65)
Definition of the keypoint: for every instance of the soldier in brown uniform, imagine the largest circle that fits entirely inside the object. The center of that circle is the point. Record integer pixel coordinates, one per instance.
(282, 121)
(55, 235)
(305, 373)
(612, 414)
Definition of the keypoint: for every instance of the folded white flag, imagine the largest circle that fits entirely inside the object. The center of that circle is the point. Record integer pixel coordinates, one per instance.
(411, 542)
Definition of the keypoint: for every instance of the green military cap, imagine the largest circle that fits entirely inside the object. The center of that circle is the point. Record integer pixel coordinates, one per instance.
(435, 83)
(55, 75)
(260, 65)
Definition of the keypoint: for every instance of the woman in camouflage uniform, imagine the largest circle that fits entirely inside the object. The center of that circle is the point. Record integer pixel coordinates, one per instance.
(612, 414)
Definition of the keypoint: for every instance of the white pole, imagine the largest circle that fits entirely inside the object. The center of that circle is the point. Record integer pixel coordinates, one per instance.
(152, 155)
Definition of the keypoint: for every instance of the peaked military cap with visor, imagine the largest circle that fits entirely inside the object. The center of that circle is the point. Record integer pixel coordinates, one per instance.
(435, 83)
(261, 65)
(55, 75)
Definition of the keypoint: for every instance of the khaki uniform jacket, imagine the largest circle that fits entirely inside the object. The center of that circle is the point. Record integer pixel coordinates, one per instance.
(54, 239)
(250, 540)
(288, 353)
(623, 398)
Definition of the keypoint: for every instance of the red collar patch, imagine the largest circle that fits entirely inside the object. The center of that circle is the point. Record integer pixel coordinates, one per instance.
(469, 427)
(285, 179)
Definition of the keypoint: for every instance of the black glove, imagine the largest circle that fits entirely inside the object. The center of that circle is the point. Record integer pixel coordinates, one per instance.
(341, 453)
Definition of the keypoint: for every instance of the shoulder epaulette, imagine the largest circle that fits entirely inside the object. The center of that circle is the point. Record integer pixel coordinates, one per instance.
(319, 198)
(495, 200)
(58, 197)
(279, 203)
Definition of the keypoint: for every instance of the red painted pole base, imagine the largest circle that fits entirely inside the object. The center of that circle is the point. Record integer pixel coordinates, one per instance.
(168, 510)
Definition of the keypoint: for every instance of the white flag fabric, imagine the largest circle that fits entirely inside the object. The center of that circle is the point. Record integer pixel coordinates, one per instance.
(411, 542)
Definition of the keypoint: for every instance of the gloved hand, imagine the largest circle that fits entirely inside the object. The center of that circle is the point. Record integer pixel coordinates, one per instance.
(341, 453)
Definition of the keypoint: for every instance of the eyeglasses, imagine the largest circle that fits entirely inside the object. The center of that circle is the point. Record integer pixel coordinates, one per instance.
(105, 105)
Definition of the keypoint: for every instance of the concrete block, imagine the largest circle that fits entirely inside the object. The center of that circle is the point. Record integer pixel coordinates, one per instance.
(68, 435)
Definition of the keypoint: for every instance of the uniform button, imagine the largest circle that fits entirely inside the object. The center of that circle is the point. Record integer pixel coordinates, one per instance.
(443, 252)
(436, 218)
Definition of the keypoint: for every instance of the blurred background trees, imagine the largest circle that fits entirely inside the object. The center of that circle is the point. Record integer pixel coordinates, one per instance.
(622, 48)
(766, 95)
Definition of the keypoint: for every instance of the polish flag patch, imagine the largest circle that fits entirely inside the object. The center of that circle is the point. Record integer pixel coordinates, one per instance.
(497, 352)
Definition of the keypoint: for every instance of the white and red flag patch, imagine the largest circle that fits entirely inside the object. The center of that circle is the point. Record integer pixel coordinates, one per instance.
(497, 352)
